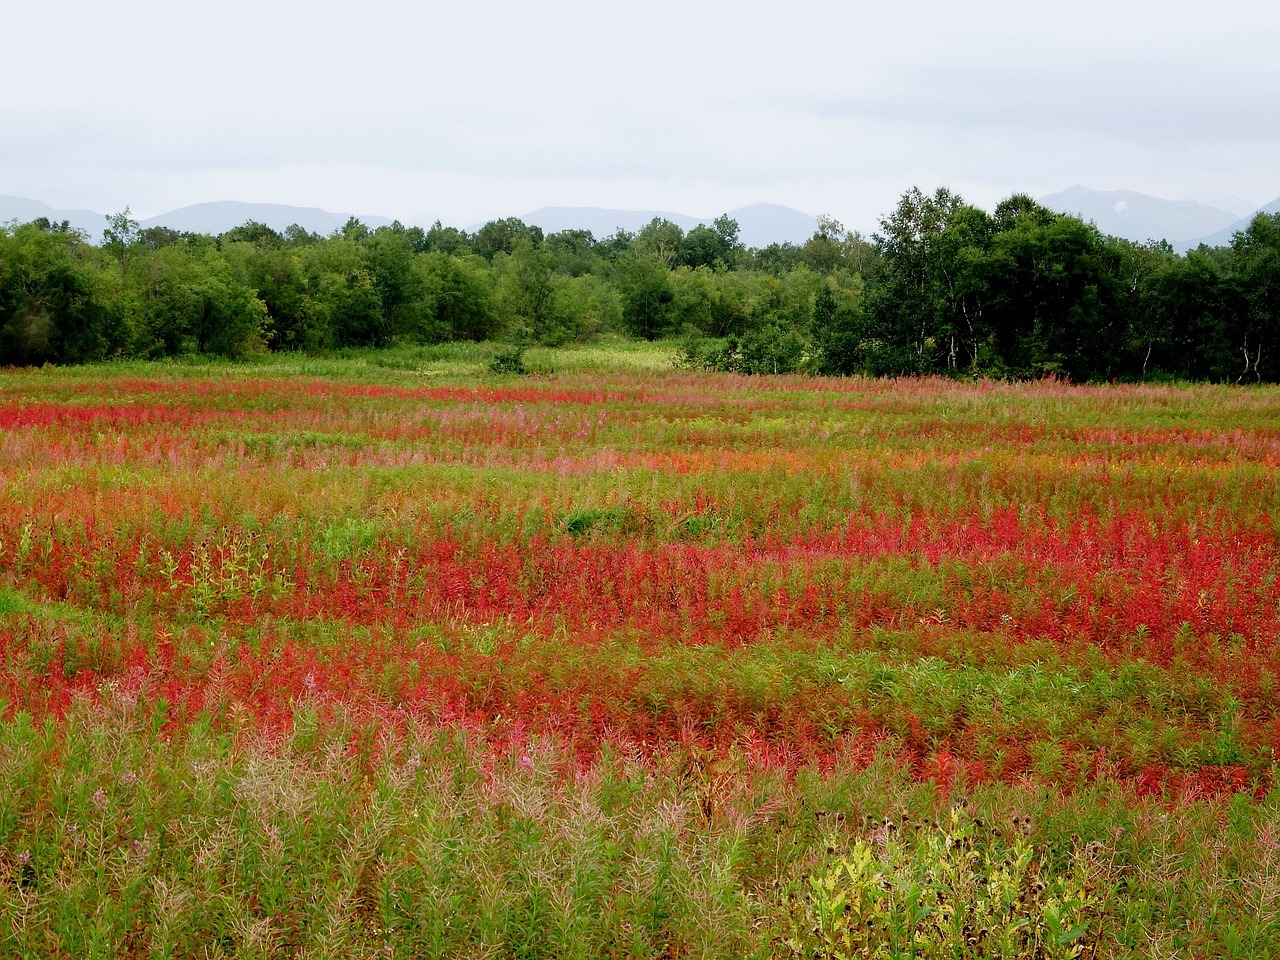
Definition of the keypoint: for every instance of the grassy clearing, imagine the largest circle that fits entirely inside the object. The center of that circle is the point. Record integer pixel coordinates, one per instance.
(384, 654)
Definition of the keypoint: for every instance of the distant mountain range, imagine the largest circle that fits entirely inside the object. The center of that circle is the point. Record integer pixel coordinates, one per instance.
(759, 224)
(221, 216)
(1140, 218)
(1223, 237)
(24, 211)
(1122, 213)
(210, 218)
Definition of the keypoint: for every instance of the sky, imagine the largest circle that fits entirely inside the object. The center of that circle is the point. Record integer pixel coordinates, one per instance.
(471, 112)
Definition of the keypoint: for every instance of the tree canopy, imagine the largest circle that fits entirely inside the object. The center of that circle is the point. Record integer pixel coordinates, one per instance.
(942, 286)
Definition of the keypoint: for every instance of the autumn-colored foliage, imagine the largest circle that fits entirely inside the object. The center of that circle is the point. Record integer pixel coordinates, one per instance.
(735, 584)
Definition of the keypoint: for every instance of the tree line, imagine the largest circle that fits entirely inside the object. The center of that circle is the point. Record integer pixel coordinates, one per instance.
(941, 287)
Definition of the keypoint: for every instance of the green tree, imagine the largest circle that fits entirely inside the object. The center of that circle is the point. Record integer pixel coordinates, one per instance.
(958, 261)
(193, 302)
(616, 246)
(715, 304)
(909, 328)
(50, 309)
(1142, 270)
(388, 256)
(824, 251)
(659, 240)
(589, 305)
(258, 234)
(448, 240)
(841, 339)
(501, 236)
(574, 252)
(1257, 255)
(1188, 314)
(354, 229)
(1052, 296)
(776, 258)
(299, 236)
(276, 275)
(120, 234)
(716, 247)
(153, 238)
(462, 290)
(644, 285)
(342, 306)
(526, 290)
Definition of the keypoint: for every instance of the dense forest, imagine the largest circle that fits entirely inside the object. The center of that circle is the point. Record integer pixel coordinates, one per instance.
(942, 287)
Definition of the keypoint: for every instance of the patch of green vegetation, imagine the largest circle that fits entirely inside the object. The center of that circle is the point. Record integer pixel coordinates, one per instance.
(11, 602)
(587, 520)
(348, 537)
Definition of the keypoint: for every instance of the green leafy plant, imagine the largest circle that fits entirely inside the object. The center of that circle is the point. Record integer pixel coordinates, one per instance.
(957, 890)
(509, 361)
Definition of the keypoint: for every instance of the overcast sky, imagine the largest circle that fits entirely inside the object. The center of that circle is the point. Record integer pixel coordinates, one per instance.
(496, 109)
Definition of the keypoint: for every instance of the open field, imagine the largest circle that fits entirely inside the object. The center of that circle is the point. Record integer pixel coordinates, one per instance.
(387, 656)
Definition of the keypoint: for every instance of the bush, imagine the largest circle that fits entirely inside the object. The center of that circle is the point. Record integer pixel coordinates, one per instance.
(509, 361)
(771, 349)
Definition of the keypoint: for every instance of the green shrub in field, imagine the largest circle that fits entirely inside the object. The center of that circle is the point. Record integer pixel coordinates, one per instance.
(955, 891)
(509, 360)
(772, 349)
(584, 520)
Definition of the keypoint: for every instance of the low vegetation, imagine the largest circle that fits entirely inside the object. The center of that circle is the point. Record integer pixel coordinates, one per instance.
(388, 654)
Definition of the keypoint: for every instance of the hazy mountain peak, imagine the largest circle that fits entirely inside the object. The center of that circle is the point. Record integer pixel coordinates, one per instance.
(220, 216)
(1230, 202)
(1223, 237)
(1140, 217)
(24, 211)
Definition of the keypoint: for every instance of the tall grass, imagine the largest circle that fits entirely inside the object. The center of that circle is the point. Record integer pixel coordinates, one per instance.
(384, 654)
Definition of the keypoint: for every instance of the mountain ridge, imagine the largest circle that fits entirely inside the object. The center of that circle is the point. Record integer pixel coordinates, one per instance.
(1140, 217)
(1223, 237)
(1185, 224)
(219, 216)
(24, 210)
(759, 224)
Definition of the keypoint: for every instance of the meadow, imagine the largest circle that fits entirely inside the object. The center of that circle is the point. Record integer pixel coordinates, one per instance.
(385, 655)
